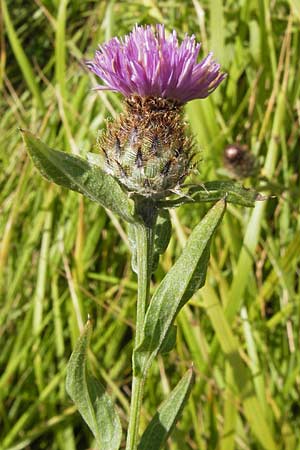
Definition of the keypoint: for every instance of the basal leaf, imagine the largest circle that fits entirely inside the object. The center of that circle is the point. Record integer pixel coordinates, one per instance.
(160, 427)
(94, 405)
(78, 175)
(181, 282)
(213, 191)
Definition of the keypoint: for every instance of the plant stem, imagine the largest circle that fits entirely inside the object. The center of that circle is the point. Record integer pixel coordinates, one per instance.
(144, 245)
(144, 261)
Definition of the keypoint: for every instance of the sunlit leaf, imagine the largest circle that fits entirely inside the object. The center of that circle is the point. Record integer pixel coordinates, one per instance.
(94, 405)
(167, 415)
(78, 175)
(181, 282)
(169, 341)
(162, 237)
(213, 191)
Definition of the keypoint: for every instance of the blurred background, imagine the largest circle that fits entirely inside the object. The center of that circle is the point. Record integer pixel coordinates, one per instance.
(62, 257)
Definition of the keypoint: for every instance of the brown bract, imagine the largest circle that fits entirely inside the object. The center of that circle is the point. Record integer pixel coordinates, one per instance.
(148, 148)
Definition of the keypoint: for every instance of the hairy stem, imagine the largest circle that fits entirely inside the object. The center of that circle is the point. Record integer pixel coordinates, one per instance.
(144, 243)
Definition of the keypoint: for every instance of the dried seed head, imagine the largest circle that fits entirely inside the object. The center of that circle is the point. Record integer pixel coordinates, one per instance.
(240, 161)
(147, 148)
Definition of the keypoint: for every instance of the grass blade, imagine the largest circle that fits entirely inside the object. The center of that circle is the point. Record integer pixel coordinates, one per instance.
(21, 57)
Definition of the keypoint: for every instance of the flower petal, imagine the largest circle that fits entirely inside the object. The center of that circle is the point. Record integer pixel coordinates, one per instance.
(147, 63)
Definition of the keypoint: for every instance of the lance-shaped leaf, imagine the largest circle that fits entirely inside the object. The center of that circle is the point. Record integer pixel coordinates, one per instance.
(131, 233)
(160, 427)
(181, 282)
(163, 230)
(213, 191)
(94, 405)
(169, 341)
(79, 175)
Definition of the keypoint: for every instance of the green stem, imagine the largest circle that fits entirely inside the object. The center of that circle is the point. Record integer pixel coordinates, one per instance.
(144, 244)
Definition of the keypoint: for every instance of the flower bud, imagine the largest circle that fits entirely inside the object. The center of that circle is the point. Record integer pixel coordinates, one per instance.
(239, 161)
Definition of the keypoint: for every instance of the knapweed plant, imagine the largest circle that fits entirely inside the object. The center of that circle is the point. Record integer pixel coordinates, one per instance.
(144, 158)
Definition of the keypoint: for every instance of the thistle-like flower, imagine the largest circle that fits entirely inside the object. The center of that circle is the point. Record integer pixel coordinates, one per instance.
(148, 148)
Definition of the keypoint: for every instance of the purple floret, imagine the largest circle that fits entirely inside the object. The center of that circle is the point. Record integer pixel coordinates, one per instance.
(147, 63)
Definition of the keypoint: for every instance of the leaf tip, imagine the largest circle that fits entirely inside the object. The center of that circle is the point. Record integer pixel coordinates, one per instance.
(89, 322)
(222, 203)
(88, 327)
(24, 132)
(191, 372)
(261, 198)
(27, 137)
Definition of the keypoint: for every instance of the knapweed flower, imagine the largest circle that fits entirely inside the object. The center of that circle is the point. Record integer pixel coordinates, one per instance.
(148, 148)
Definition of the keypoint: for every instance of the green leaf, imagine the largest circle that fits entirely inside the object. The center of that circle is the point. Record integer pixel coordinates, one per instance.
(131, 233)
(160, 427)
(78, 175)
(181, 282)
(213, 191)
(163, 228)
(170, 341)
(94, 405)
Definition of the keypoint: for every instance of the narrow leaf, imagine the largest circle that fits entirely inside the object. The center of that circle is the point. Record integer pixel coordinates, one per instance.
(162, 238)
(89, 396)
(213, 191)
(181, 282)
(160, 427)
(169, 341)
(78, 175)
(163, 229)
(131, 233)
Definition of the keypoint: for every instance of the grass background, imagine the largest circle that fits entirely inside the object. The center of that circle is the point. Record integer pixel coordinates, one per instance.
(62, 257)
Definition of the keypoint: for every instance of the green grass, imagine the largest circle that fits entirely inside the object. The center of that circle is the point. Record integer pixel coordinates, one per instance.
(62, 257)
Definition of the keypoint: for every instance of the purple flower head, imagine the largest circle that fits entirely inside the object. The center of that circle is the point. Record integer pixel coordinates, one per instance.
(147, 63)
